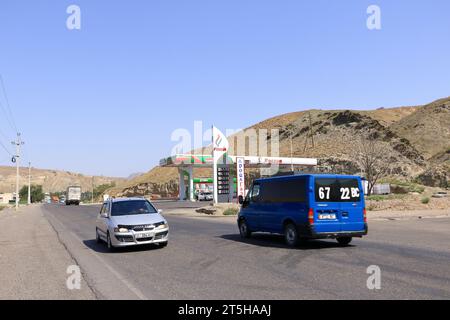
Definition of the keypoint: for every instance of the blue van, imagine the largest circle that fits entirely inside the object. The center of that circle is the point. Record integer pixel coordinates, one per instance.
(302, 207)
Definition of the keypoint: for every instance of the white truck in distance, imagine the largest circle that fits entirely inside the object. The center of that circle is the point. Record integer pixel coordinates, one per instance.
(73, 196)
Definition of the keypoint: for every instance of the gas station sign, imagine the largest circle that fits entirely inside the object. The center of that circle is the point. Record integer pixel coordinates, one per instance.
(240, 172)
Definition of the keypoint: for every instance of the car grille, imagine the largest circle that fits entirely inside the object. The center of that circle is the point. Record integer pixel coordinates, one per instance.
(140, 228)
(144, 239)
(125, 238)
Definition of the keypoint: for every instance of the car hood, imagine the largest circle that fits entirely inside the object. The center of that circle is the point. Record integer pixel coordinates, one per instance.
(139, 219)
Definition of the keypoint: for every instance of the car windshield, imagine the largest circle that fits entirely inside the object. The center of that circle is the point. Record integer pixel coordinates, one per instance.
(128, 208)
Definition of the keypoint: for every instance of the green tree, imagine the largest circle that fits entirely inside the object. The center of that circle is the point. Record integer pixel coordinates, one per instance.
(100, 190)
(86, 196)
(37, 194)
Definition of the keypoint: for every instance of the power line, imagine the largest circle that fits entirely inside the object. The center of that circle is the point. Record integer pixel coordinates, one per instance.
(6, 116)
(6, 149)
(4, 135)
(10, 119)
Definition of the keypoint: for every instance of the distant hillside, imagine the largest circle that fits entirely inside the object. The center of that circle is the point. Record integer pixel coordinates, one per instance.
(416, 140)
(428, 129)
(51, 180)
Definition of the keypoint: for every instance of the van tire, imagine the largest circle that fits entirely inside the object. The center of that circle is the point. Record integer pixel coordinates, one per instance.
(244, 230)
(291, 235)
(344, 241)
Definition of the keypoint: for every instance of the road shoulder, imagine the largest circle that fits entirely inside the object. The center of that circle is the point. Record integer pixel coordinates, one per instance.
(34, 263)
(107, 282)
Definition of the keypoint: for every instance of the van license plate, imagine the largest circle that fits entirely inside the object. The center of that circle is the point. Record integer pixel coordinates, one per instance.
(327, 217)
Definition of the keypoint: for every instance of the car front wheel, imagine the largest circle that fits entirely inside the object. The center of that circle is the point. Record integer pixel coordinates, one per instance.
(163, 244)
(244, 230)
(97, 236)
(109, 243)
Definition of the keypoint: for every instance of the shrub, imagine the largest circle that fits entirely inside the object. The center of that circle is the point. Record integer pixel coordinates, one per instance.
(376, 198)
(425, 200)
(399, 186)
(231, 212)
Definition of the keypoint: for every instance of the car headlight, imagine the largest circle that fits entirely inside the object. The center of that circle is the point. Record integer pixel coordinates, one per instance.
(121, 230)
(161, 225)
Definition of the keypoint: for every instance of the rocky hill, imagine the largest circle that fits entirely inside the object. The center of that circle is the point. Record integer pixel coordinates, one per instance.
(416, 141)
(428, 129)
(51, 180)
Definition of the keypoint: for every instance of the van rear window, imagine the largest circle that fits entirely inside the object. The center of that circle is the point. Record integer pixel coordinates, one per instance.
(337, 190)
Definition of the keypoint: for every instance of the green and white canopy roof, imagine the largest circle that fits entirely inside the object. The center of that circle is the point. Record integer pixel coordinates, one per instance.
(186, 160)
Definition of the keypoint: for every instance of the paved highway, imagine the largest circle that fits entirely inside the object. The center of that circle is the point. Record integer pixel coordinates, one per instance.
(206, 259)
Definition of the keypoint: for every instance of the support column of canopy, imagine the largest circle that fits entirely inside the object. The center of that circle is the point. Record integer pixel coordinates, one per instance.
(182, 171)
(182, 186)
(191, 183)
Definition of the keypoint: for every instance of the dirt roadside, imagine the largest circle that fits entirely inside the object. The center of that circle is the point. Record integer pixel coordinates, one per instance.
(371, 215)
(33, 261)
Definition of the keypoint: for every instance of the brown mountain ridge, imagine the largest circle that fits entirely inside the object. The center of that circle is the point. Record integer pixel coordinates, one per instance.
(416, 140)
(51, 180)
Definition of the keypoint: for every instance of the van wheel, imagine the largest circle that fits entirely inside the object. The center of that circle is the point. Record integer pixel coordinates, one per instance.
(291, 235)
(344, 241)
(244, 230)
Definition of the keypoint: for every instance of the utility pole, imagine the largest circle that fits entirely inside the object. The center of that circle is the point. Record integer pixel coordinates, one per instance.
(29, 183)
(92, 200)
(310, 134)
(291, 134)
(18, 144)
(292, 160)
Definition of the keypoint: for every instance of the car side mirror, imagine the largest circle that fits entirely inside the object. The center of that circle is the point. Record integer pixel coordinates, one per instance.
(104, 215)
(160, 211)
(241, 200)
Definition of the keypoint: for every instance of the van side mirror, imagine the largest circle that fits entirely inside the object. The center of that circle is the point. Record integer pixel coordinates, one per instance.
(241, 200)
(104, 215)
(160, 211)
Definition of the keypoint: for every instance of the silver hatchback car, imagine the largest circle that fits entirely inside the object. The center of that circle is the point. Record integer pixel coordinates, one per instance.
(131, 222)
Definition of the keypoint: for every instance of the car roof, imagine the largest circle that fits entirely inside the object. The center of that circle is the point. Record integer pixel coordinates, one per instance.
(114, 200)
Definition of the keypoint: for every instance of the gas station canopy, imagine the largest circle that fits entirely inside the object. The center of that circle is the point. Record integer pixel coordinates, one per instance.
(187, 162)
(190, 160)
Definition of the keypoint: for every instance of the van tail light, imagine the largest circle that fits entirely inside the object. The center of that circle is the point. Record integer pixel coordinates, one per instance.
(365, 214)
(311, 216)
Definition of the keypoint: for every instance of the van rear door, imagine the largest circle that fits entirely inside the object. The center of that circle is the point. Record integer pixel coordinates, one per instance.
(326, 208)
(339, 204)
(352, 204)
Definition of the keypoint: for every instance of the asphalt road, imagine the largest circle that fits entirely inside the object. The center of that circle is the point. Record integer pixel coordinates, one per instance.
(206, 259)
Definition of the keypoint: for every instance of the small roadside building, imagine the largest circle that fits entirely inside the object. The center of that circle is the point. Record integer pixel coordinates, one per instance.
(6, 198)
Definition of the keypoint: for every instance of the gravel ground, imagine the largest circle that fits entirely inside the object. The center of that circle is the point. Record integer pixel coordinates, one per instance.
(32, 259)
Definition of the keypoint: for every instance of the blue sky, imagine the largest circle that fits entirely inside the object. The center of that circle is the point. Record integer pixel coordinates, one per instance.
(105, 99)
